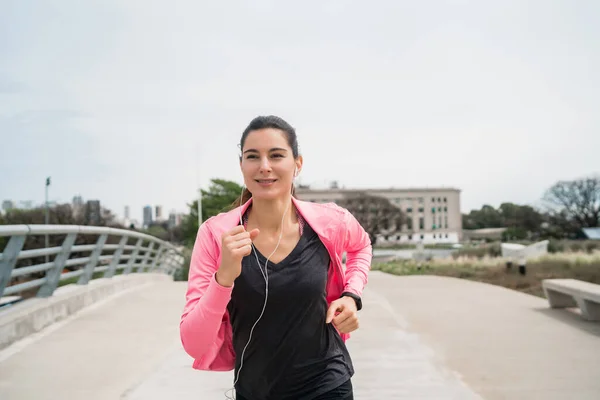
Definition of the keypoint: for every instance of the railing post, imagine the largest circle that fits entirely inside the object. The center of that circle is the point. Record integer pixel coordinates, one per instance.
(146, 257)
(89, 268)
(164, 262)
(134, 255)
(157, 257)
(112, 268)
(53, 274)
(174, 265)
(170, 264)
(9, 259)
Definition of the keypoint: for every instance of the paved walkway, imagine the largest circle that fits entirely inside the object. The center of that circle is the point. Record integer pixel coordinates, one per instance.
(414, 332)
(98, 353)
(505, 344)
(390, 363)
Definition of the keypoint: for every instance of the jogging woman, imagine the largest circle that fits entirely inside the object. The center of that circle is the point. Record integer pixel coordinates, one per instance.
(268, 295)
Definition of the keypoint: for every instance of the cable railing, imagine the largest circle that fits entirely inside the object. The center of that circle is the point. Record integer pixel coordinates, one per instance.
(40, 271)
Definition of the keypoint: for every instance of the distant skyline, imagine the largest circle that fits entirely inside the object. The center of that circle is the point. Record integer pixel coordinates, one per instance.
(140, 102)
(29, 204)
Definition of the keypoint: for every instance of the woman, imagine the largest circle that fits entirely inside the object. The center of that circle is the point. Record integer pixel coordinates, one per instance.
(267, 292)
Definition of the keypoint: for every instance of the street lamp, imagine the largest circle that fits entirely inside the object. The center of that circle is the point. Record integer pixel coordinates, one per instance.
(47, 215)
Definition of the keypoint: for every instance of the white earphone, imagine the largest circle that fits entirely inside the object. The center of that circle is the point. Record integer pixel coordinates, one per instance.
(265, 274)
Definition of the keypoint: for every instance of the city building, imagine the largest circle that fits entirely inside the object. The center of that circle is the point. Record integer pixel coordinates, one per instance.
(591, 233)
(491, 234)
(78, 201)
(8, 205)
(78, 206)
(147, 216)
(158, 213)
(92, 212)
(127, 221)
(175, 219)
(26, 204)
(432, 214)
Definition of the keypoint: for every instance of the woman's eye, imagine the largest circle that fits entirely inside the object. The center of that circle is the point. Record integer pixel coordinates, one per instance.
(277, 155)
(250, 156)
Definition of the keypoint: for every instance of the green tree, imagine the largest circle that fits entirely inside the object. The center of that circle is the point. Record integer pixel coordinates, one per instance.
(524, 218)
(60, 214)
(487, 217)
(514, 233)
(158, 231)
(218, 198)
(522, 221)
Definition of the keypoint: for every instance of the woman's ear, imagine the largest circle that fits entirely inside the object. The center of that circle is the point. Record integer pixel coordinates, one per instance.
(298, 166)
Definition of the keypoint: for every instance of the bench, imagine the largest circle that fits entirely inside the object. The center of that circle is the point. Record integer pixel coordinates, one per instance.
(564, 293)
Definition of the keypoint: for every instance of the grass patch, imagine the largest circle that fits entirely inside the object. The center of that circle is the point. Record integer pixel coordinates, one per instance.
(582, 266)
(182, 273)
(493, 249)
(409, 246)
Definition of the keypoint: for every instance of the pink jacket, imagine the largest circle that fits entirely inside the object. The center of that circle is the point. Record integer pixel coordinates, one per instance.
(205, 328)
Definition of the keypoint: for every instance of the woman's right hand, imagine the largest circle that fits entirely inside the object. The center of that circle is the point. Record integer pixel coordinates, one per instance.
(235, 245)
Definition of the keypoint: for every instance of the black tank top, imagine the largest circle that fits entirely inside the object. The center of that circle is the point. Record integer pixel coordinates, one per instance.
(293, 353)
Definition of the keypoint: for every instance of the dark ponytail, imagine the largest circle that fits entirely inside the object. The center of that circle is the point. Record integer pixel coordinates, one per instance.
(245, 197)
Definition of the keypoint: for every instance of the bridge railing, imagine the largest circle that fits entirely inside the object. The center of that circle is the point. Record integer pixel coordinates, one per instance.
(28, 270)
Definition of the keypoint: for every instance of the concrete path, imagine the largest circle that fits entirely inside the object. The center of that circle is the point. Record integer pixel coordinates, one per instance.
(98, 353)
(505, 344)
(390, 363)
(415, 331)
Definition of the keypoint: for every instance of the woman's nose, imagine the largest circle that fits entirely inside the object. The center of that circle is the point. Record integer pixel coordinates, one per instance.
(265, 165)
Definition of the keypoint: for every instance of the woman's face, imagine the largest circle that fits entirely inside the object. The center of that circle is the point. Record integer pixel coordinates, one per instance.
(268, 164)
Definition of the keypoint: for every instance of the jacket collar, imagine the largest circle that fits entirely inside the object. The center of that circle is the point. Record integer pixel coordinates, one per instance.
(322, 222)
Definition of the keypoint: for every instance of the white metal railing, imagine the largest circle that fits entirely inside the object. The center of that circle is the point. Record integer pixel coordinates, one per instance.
(145, 254)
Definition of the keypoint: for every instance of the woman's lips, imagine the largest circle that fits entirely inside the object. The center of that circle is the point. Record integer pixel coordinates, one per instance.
(266, 182)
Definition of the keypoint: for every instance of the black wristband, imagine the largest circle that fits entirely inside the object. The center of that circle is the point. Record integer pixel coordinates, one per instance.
(356, 298)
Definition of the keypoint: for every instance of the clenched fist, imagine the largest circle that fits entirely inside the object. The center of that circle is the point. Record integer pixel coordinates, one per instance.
(343, 314)
(235, 245)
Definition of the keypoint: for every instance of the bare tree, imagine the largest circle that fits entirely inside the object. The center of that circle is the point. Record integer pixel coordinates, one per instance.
(375, 214)
(578, 199)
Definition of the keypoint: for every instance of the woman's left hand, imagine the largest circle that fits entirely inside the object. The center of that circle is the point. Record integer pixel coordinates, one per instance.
(342, 312)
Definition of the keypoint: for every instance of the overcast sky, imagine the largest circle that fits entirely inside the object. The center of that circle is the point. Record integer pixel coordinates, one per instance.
(138, 102)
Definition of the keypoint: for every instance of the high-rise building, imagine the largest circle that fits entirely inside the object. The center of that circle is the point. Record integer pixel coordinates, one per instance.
(77, 201)
(92, 212)
(172, 220)
(147, 216)
(78, 206)
(126, 212)
(175, 219)
(158, 213)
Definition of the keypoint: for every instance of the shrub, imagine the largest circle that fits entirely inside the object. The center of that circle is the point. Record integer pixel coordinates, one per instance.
(481, 251)
(182, 273)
